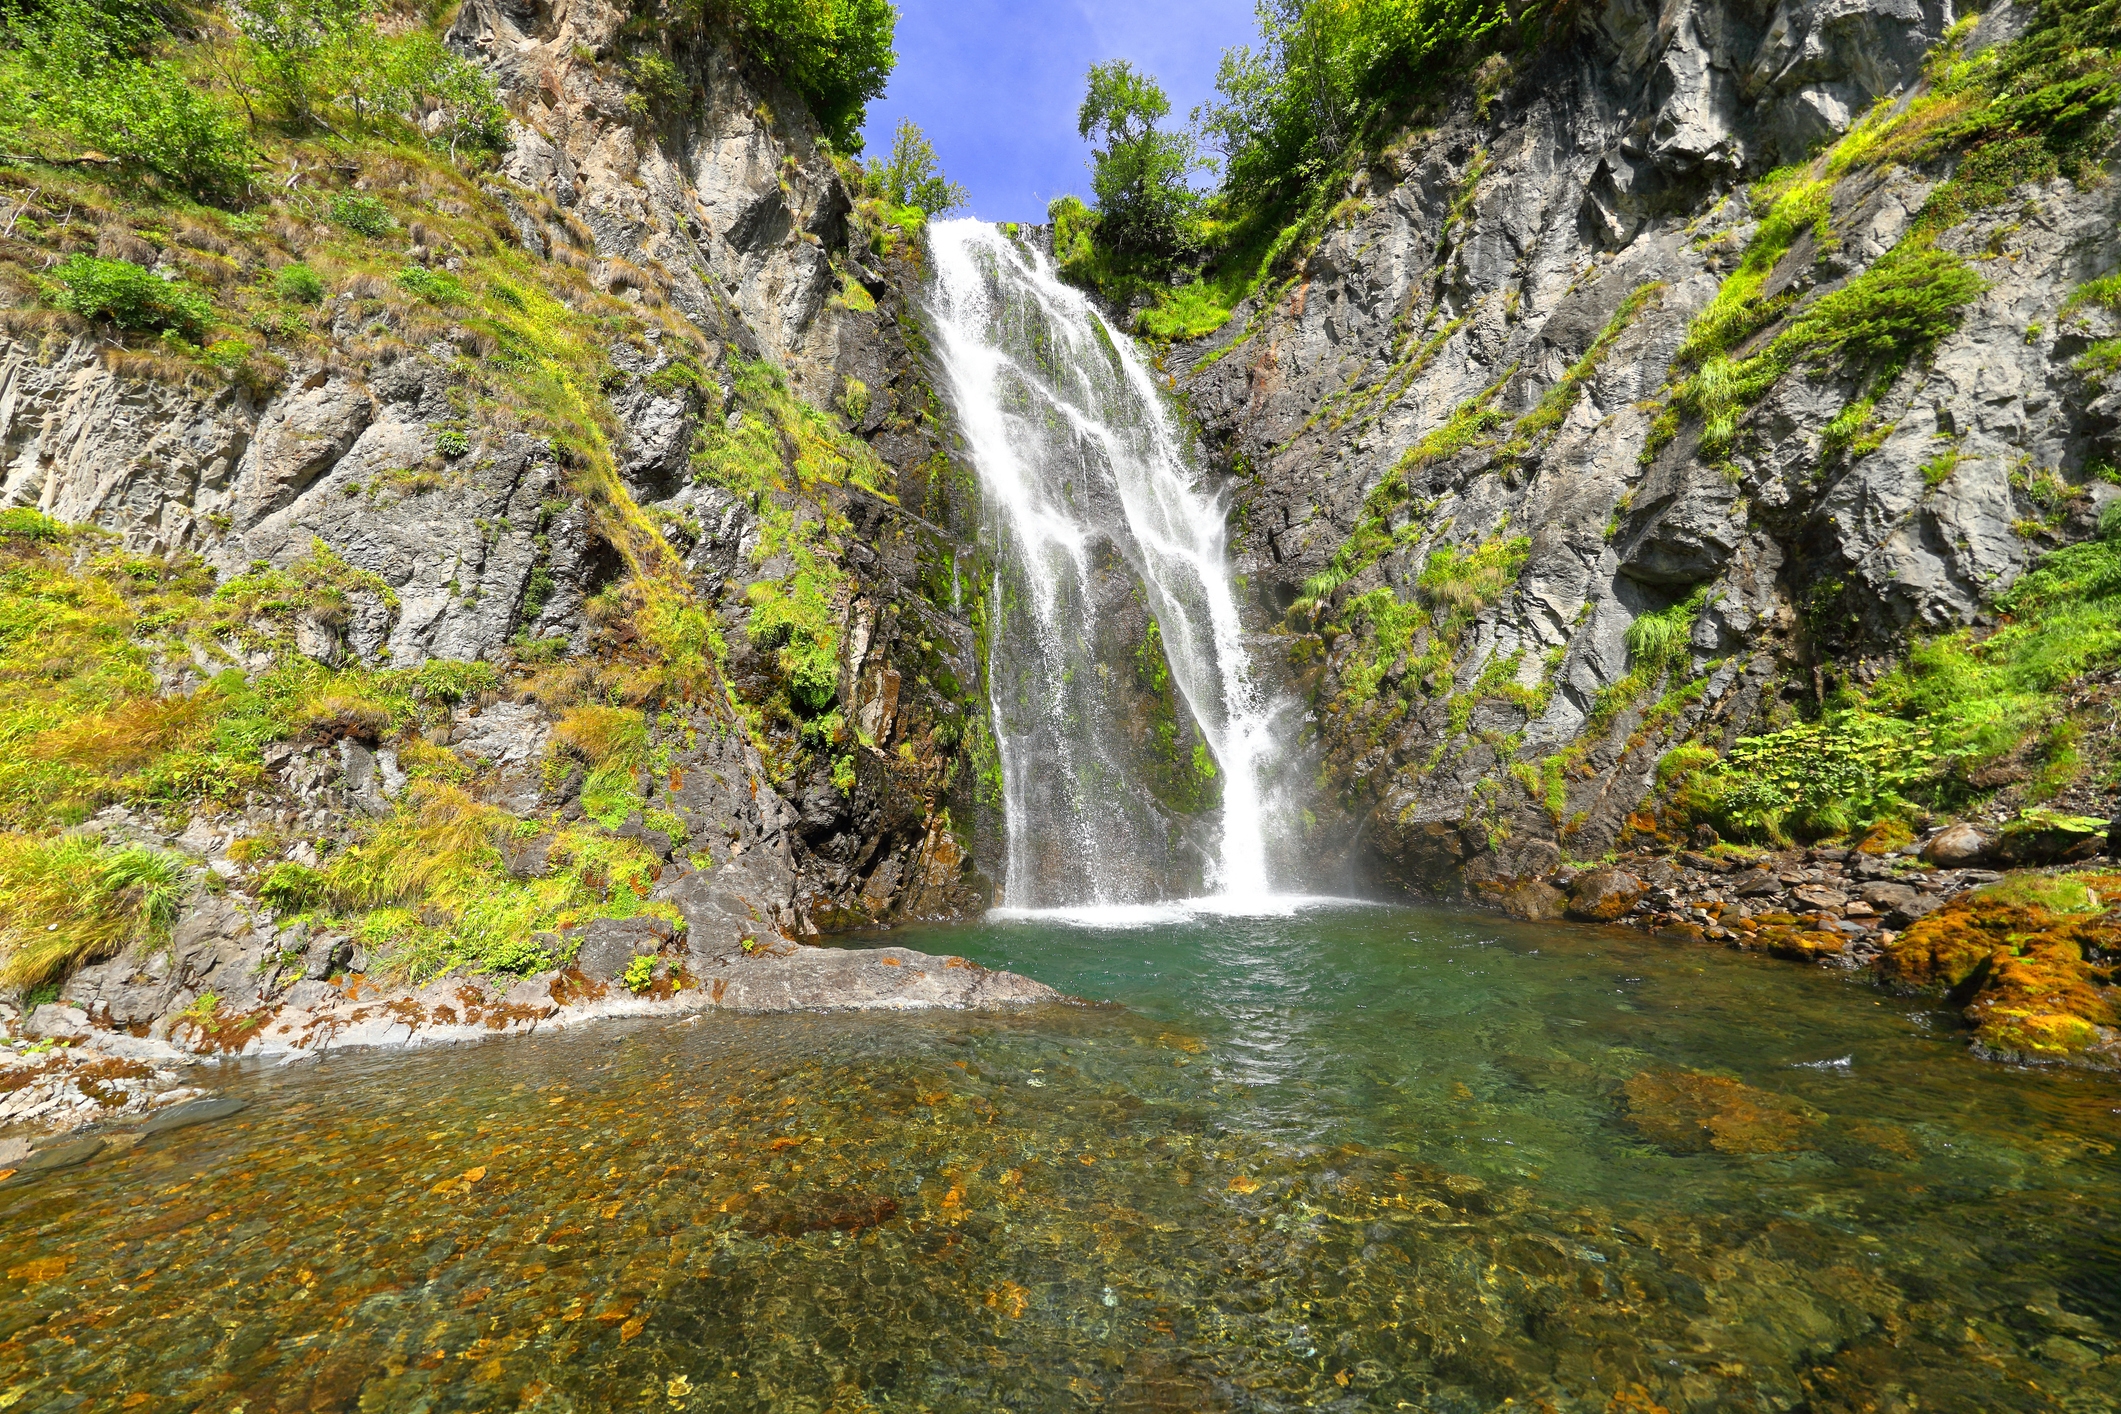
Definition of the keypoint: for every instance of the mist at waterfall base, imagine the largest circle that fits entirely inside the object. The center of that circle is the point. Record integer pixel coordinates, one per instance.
(1102, 528)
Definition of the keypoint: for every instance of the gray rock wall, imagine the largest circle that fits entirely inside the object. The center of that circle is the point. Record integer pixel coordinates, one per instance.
(724, 206)
(1616, 161)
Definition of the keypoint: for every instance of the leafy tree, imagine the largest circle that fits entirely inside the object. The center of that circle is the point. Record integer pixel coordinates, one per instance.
(1140, 174)
(295, 45)
(836, 53)
(324, 63)
(1289, 108)
(468, 106)
(914, 175)
(90, 70)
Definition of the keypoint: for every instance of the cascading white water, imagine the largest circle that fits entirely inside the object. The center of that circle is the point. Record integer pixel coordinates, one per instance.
(1084, 465)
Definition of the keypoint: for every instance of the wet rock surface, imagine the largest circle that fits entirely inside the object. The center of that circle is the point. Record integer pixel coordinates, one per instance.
(60, 1070)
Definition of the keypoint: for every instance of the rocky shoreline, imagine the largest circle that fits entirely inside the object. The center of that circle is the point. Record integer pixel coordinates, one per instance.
(2027, 953)
(1837, 906)
(2012, 928)
(63, 1070)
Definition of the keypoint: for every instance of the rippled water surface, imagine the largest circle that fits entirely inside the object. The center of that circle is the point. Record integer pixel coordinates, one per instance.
(1356, 1158)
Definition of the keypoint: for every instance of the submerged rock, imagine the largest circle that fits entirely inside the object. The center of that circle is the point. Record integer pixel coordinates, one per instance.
(1692, 1112)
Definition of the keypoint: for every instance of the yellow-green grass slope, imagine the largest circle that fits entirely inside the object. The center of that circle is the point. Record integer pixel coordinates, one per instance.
(90, 636)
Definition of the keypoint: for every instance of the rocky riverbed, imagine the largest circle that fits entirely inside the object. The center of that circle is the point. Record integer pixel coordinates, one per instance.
(64, 1069)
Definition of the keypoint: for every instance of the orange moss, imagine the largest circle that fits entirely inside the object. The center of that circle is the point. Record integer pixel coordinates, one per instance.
(2031, 963)
(1693, 1112)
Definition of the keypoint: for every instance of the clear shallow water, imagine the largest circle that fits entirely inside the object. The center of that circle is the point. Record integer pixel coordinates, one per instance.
(1356, 1158)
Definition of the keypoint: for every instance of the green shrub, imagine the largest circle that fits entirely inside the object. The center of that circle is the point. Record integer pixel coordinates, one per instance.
(1657, 639)
(362, 214)
(292, 888)
(453, 680)
(121, 293)
(452, 442)
(1819, 779)
(298, 284)
(2110, 521)
(27, 524)
(435, 286)
(537, 590)
(1903, 303)
(640, 973)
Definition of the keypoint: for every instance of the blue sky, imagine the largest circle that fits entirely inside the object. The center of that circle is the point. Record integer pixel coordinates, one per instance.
(996, 82)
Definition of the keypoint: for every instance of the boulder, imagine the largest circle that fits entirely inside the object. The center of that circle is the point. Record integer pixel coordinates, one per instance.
(609, 945)
(1820, 899)
(1755, 883)
(1922, 905)
(1959, 846)
(532, 996)
(2039, 837)
(1887, 897)
(1604, 895)
(1534, 900)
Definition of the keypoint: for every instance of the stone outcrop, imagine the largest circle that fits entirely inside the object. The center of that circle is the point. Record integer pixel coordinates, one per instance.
(724, 207)
(1549, 250)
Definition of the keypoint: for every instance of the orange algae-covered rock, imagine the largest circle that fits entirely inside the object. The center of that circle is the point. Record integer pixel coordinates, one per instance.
(1805, 945)
(1691, 1111)
(2030, 961)
(1603, 895)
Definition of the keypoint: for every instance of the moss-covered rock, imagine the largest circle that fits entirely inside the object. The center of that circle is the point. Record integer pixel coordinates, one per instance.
(2031, 962)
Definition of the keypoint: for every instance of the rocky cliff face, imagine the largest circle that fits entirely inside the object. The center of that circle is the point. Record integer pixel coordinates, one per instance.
(1465, 462)
(775, 448)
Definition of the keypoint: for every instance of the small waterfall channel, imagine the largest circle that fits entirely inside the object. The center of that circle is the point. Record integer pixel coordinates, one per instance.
(1109, 554)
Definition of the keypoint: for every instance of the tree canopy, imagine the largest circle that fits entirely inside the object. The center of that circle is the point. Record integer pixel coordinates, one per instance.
(1140, 173)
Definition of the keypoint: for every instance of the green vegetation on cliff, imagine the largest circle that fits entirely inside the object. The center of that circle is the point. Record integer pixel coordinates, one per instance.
(1965, 712)
(2029, 110)
(1923, 737)
(836, 53)
(1326, 84)
(90, 636)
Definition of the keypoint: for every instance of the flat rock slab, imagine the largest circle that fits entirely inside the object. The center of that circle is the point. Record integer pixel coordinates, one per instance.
(872, 979)
(54, 1157)
(778, 977)
(193, 1112)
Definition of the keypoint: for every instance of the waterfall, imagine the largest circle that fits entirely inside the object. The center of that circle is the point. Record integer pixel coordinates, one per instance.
(1100, 523)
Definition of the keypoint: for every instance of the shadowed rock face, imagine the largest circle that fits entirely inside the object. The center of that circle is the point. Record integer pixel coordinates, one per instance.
(1612, 163)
